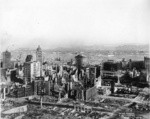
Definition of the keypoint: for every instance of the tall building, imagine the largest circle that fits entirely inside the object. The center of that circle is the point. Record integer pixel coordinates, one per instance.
(26, 71)
(31, 70)
(39, 57)
(147, 66)
(35, 69)
(6, 59)
(39, 54)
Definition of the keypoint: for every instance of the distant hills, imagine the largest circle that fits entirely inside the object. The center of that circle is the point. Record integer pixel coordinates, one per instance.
(82, 48)
(133, 48)
(90, 48)
(93, 49)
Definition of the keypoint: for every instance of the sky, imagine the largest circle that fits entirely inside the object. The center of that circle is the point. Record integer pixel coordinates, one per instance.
(68, 23)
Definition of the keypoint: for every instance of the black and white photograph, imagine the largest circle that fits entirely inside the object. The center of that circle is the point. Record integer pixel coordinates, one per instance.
(74, 59)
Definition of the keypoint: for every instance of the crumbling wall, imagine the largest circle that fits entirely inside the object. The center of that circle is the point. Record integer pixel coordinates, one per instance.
(90, 93)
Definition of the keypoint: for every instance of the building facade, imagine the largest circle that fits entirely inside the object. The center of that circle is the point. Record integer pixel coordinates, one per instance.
(26, 72)
(39, 57)
(35, 69)
(147, 66)
(6, 59)
(31, 71)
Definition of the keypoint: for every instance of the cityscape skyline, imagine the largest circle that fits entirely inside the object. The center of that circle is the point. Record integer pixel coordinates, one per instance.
(75, 59)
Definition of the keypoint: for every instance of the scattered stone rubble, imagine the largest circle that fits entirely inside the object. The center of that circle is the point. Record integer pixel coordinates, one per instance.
(109, 105)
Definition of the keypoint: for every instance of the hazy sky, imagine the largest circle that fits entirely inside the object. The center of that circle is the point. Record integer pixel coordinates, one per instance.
(58, 23)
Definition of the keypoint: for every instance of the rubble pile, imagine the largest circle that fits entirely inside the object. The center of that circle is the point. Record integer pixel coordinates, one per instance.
(45, 99)
(107, 104)
(144, 96)
(140, 109)
(53, 112)
(60, 113)
(68, 101)
(11, 116)
(37, 112)
(113, 101)
(126, 91)
(142, 102)
(124, 95)
(9, 104)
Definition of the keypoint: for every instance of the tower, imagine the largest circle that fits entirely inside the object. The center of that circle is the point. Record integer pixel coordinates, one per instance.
(6, 59)
(39, 57)
(79, 63)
